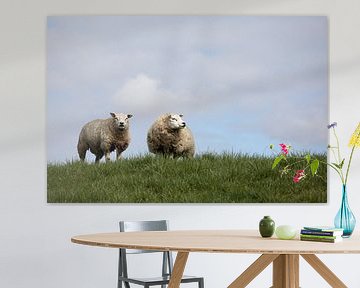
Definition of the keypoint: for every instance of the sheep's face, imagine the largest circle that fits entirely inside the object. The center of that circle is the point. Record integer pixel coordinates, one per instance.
(121, 120)
(176, 122)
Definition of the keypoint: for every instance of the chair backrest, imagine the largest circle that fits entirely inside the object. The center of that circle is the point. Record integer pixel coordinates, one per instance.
(134, 226)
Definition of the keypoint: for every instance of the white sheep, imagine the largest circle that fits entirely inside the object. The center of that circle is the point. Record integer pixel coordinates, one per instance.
(169, 136)
(102, 136)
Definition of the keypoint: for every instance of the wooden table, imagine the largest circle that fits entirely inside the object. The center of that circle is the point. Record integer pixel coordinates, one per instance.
(284, 254)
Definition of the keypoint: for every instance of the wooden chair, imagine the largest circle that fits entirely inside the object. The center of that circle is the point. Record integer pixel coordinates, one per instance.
(167, 262)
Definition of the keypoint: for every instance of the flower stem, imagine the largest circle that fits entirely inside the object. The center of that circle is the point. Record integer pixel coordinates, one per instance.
(348, 167)
(337, 143)
(333, 152)
(351, 155)
(339, 160)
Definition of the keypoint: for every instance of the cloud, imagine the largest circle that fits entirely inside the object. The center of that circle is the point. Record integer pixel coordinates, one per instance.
(141, 94)
(147, 96)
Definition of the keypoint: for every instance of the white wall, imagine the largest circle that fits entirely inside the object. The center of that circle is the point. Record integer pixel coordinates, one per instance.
(35, 248)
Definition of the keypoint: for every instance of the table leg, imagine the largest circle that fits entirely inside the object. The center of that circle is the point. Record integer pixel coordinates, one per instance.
(324, 271)
(253, 270)
(178, 270)
(286, 271)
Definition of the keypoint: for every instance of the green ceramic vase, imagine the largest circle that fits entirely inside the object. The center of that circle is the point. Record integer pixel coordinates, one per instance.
(266, 227)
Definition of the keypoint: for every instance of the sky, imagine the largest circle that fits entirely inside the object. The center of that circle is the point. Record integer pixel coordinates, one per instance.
(241, 82)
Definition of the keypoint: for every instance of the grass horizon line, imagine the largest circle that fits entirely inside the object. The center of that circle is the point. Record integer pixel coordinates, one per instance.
(197, 155)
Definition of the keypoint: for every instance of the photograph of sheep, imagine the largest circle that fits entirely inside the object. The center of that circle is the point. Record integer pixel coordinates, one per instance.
(187, 109)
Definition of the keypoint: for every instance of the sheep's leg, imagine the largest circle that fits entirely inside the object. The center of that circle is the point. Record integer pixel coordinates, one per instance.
(107, 156)
(99, 155)
(118, 154)
(82, 155)
(82, 148)
(106, 150)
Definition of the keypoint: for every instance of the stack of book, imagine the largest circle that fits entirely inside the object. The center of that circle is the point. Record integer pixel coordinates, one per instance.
(321, 234)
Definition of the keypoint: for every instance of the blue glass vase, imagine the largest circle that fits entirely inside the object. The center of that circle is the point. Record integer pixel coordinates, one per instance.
(345, 218)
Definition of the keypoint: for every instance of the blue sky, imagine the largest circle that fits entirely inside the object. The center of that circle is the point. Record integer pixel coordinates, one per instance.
(242, 82)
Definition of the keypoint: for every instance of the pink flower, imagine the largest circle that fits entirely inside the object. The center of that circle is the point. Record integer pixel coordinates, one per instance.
(300, 174)
(284, 148)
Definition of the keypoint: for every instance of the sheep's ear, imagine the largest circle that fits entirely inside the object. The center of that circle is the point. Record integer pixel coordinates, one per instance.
(129, 115)
(112, 114)
(181, 115)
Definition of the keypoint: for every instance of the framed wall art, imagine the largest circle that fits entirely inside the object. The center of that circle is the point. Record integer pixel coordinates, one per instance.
(186, 109)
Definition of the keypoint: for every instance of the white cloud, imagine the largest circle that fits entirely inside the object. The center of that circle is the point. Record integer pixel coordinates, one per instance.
(146, 95)
(141, 90)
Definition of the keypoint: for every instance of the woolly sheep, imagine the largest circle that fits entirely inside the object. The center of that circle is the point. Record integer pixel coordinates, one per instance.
(102, 136)
(170, 136)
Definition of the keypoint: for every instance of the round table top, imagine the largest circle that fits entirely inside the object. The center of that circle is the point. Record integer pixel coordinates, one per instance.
(218, 241)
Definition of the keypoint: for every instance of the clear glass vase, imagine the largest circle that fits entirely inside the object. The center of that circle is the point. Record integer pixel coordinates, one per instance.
(345, 218)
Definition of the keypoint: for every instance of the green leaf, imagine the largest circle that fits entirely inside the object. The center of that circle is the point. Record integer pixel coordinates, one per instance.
(277, 161)
(342, 163)
(271, 146)
(336, 165)
(339, 166)
(308, 158)
(314, 166)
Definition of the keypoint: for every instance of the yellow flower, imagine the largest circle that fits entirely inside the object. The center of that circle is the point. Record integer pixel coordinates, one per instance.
(355, 138)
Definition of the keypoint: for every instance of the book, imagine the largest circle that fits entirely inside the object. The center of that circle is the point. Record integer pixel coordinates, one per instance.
(321, 233)
(322, 230)
(325, 240)
(320, 236)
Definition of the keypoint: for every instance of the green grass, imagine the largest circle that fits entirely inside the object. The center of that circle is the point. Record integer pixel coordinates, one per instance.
(208, 178)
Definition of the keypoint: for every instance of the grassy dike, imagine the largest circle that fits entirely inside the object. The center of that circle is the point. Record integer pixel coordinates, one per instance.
(208, 178)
